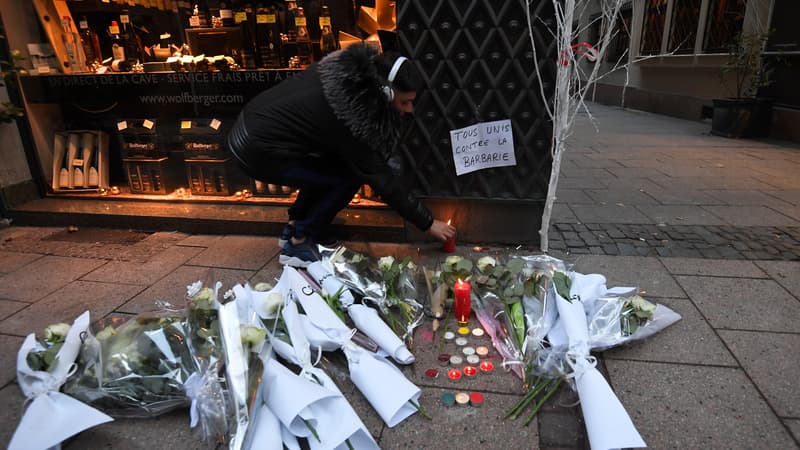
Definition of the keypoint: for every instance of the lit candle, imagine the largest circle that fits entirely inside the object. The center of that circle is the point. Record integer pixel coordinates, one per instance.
(461, 302)
(470, 371)
(486, 366)
(454, 374)
(449, 246)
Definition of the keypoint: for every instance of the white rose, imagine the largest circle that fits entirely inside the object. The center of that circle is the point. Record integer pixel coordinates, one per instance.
(194, 288)
(411, 266)
(272, 302)
(253, 336)
(262, 287)
(643, 305)
(385, 263)
(486, 261)
(452, 260)
(56, 332)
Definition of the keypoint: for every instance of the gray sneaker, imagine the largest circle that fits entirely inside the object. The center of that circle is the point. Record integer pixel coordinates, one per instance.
(299, 255)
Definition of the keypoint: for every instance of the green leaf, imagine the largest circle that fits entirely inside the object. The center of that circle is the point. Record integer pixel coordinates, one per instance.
(562, 283)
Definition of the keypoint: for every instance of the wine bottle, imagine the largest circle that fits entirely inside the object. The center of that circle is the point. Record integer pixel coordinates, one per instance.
(268, 37)
(290, 26)
(72, 45)
(132, 47)
(243, 17)
(305, 51)
(327, 41)
(117, 44)
(226, 14)
(90, 43)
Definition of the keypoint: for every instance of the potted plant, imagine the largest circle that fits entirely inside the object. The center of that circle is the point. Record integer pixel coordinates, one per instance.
(744, 73)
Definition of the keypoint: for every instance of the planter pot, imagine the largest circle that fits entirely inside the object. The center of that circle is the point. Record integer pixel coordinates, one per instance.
(741, 117)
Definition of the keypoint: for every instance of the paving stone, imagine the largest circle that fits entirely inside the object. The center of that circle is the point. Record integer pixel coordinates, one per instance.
(11, 261)
(701, 406)
(238, 252)
(43, 276)
(170, 431)
(13, 400)
(794, 427)
(770, 360)
(201, 240)
(699, 266)
(9, 347)
(646, 273)
(743, 216)
(67, 303)
(9, 307)
(143, 273)
(743, 303)
(784, 273)
(470, 427)
(672, 215)
(172, 288)
(688, 341)
(608, 214)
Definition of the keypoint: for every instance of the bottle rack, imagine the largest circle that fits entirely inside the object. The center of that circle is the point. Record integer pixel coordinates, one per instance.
(80, 160)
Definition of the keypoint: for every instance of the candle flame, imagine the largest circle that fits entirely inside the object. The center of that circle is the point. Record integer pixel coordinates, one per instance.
(448, 221)
(459, 281)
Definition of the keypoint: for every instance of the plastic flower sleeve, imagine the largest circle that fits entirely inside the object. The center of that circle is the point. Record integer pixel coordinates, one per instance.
(51, 416)
(136, 369)
(622, 318)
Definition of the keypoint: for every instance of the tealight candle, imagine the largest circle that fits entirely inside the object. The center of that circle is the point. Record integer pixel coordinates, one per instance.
(468, 351)
(432, 373)
(470, 371)
(444, 359)
(448, 398)
(454, 374)
(462, 398)
(456, 360)
(463, 331)
(449, 336)
(482, 350)
(477, 332)
(475, 399)
(462, 341)
(461, 302)
(486, 366)
(473, 359)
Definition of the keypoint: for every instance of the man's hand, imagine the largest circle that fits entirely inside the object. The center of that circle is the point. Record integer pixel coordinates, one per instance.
(442, 231)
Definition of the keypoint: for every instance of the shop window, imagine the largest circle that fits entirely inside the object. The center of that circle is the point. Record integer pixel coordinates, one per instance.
(621, 36)
(725, 19)
(655, 13)
(683, 28)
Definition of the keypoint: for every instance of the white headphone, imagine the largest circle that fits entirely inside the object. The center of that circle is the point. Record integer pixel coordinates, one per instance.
(387, 89)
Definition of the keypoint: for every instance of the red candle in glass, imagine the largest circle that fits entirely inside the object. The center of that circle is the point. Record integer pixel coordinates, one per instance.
(461, 302)
(449, 246)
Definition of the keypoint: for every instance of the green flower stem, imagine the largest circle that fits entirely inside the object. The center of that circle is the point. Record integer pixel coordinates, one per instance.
(538, 406)
(313, 431)
(421, 411)
(538, 386)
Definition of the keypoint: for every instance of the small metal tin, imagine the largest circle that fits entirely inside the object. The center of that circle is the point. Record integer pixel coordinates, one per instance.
(478, 332)
(463, 331)
(462, 398)
(468, 351)
(473, 359)
(449, 336)
(456, 360)
(462, 341)
(481, 350)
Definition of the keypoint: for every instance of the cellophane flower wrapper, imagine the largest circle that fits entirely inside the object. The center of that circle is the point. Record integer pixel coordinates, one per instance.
(206, 387)
(394, 292)
(134, 369)
(365, 318)
(608, 425)
(621, 317)
(384, 386)
(310, 399)
(52, 416)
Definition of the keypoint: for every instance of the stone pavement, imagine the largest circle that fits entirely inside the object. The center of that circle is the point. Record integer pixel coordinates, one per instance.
(705, 225)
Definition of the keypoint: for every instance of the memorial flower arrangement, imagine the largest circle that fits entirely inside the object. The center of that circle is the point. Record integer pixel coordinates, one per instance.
(43, 357)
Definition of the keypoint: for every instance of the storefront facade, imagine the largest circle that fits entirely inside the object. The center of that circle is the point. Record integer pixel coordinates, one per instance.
(163, 165)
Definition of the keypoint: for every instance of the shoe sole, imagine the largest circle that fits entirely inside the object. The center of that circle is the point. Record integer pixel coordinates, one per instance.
(293, 261)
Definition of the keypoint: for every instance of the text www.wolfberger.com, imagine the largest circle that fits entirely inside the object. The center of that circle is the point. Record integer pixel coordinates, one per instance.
(187, 97)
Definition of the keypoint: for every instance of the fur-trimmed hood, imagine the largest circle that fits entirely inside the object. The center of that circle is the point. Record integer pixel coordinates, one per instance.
(353, 88)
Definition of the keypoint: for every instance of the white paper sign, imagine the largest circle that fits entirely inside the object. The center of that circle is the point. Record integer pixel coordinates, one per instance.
(483, 145)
